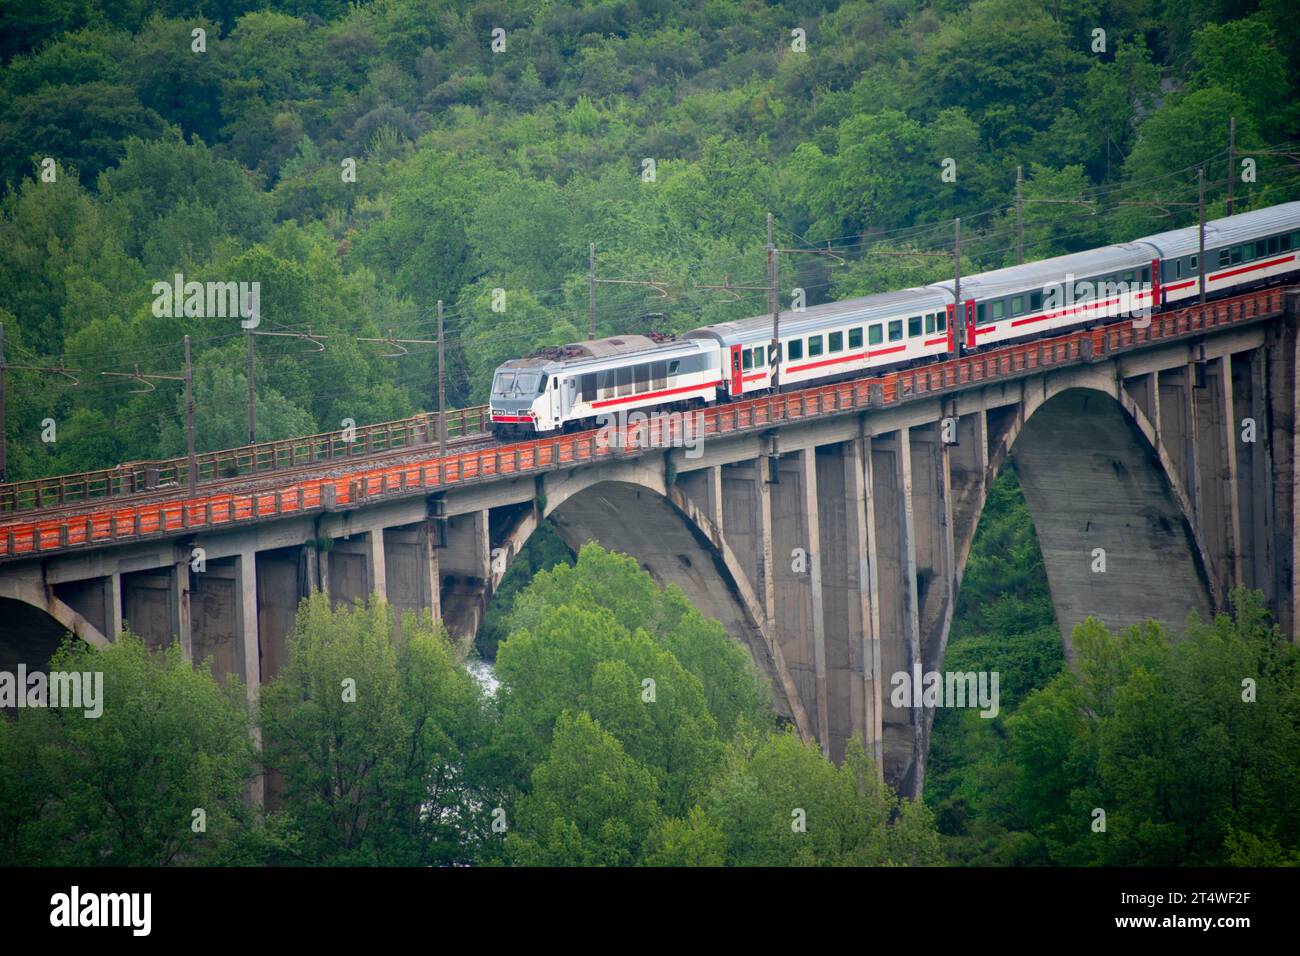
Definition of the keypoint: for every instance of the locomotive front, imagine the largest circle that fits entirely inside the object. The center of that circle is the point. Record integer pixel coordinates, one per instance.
(517, 399)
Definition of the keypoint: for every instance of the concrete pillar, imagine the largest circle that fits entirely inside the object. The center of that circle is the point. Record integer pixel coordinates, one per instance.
(1155, 406)
(886, 535)
(812, 529)
(431, 576)
(1192, 455)
(1229, 473)
(113, 606)
(1260, 457)
(860, 523)
(911, 608)
(767, 582)
(246, 615)
(376, 568)
(181, 602)
(875, 725)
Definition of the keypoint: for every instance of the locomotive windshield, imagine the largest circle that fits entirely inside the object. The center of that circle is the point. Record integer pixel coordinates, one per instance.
(503, 384)
(515, 384)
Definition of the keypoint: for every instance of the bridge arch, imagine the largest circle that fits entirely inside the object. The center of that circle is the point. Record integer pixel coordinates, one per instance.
(36, 622)
(1099, 485)
(633, 510)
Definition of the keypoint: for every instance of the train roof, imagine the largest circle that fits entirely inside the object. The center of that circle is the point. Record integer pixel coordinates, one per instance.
(596, 354)
(1047, 272)
(758, 328)
(1227, 231)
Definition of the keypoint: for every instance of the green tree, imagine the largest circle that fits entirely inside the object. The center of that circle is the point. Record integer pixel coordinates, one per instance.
(120, 789)
(590, 803)
(369, 734)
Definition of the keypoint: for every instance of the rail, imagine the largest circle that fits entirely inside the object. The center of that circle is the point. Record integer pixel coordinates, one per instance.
(439, 474)
(260, 458)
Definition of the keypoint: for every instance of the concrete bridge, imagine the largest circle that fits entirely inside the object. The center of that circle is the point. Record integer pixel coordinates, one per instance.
(826, 529)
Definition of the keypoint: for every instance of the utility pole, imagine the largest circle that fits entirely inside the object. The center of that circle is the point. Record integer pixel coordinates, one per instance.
(192, 463)
(591, 290)
(1232, 157)
(774, 304)
(252, 415)
(1200, 215)
(1020, 228)
(442, 388)
(958, 313)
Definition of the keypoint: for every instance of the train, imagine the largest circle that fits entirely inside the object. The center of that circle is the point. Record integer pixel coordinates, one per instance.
(579, 386)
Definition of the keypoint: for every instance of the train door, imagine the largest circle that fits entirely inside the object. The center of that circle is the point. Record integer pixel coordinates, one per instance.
(1157, 299)
(737, 381)
(969, 323)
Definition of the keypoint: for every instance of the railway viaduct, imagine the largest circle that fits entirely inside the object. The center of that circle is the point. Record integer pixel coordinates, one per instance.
(827, 529)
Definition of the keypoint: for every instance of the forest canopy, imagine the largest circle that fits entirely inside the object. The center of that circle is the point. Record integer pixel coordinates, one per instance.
(361, 161)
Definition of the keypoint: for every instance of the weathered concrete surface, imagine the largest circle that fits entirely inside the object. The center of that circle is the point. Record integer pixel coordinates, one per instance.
(1090, 483)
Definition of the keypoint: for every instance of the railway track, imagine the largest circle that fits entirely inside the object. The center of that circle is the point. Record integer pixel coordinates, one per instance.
(246, 484)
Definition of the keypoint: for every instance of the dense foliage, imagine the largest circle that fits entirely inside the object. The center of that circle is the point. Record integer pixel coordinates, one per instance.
(476, 170)
(1163, 736)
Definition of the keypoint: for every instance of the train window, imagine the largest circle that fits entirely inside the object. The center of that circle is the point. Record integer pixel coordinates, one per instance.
(1225, 256)
(835, 342)
(1272, 245)
(1035, 301)
(1284, 243)
(1295, 240)
(642, 373)
(502, 384)
(673, 366)
(895, 330)
(998, 308)
(929, 323)
(814, 345)
(855, 338)
(1146, 274)
(796, 349)
(941, 322)
(913, 326)
(1130, 276)
(589, 387)
(874, 335)
(1017, 305)
(659, 372)
(747, 359)
(1178, 268)
(624, 379)
(981, 313)
(1236, 255)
